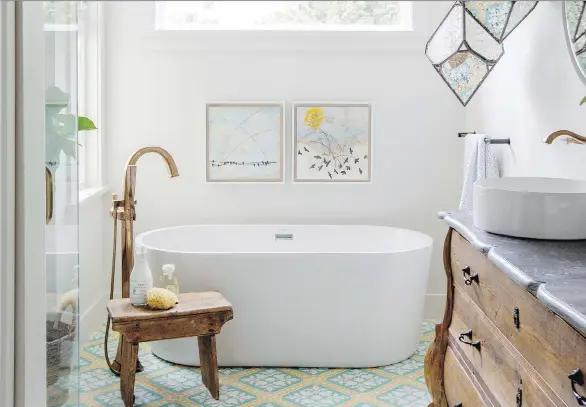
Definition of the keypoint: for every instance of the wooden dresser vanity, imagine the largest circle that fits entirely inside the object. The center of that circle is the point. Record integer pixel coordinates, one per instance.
(513, 335)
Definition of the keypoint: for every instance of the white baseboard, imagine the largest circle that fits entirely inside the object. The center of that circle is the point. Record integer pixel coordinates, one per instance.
(434, 306)
(92, 319)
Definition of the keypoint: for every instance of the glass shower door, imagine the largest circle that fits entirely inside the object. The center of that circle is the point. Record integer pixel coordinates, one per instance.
(62, 201)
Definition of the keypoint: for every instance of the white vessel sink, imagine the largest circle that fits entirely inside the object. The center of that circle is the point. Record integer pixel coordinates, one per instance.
(537, 208)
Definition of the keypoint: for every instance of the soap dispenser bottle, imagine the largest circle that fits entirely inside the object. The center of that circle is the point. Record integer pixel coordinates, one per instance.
(141, 278)
(170, 281)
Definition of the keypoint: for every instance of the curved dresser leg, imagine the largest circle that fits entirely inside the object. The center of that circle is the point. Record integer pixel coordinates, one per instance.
(434, 359)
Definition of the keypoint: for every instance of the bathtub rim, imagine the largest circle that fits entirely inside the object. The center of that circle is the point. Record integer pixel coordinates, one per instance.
(425, 242)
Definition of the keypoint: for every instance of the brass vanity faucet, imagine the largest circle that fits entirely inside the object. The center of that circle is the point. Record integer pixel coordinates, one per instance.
(572, 137)
(124, 210)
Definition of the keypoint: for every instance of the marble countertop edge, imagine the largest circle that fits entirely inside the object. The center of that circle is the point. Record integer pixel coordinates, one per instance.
(538, 288)
(576, 319)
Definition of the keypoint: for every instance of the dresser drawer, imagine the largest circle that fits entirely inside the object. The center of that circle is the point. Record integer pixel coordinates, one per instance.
(550, 345)
(494, 360)
(458, 385)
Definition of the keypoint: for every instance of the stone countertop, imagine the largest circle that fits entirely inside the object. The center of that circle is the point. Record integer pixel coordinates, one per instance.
(553, 271)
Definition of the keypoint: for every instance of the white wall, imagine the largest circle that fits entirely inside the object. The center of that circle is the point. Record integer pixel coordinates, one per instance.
(158, 84)
(94, 262)
(533, 91)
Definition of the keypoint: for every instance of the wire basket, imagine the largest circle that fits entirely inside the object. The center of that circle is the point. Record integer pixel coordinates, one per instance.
(60, 344)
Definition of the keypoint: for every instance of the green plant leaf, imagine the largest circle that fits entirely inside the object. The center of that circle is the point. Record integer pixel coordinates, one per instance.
(84, 124)
(583, 101)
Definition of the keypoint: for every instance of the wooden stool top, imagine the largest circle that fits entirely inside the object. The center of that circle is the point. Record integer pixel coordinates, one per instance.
(189, 304)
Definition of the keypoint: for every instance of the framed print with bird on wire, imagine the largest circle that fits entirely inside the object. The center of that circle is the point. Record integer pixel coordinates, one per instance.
(332, 142)
(245, 142)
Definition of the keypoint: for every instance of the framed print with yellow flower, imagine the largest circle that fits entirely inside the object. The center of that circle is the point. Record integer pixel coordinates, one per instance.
(332, 142)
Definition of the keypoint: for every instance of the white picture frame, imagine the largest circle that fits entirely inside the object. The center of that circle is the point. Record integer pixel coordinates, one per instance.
(348, 128)
(251, 153)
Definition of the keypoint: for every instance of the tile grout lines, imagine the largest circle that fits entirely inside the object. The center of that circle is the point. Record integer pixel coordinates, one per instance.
(163, 384)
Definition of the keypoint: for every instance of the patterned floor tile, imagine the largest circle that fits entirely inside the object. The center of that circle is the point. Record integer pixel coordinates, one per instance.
(83, 362)
(143, 396)
(404, 368)
(358, 380)
(164, 384)
(420, 379)
(428, 327)
(152, 363)
(97, 350)
(270, 380)
(422, 348)
(230, 396)
(96, 379)
(179, 380)
(98, 335)
(229, 371)
(406, 395)
(69, 403)
(313, 371)
(316, 396)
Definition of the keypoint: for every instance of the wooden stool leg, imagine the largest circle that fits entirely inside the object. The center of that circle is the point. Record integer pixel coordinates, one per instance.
(117, 364)
(209, 364)
(128, 373)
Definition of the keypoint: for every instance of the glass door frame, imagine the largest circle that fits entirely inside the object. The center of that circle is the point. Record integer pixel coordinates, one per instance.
(30, 275)
(7, 201)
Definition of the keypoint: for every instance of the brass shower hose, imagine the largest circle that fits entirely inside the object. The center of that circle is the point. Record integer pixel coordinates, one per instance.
(112, 276)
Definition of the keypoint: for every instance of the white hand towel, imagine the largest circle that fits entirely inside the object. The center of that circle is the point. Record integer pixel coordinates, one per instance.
(482, 164)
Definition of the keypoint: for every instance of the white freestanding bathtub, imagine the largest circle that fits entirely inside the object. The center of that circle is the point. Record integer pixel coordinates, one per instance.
(303, 296)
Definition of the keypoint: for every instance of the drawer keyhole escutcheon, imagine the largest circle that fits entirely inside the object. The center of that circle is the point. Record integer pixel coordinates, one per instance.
(468, 334)
(516, 318)
(577, 377)
(469, 278)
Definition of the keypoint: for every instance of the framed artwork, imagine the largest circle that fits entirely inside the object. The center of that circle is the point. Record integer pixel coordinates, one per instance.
(244, 142)
(332, 142)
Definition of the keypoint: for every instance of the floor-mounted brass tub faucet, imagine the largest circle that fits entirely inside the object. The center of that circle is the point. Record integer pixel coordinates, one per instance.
(125, 211)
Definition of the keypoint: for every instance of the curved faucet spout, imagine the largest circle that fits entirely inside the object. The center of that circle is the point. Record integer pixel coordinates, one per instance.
(130, 175)
(158, 150)
(571, 137)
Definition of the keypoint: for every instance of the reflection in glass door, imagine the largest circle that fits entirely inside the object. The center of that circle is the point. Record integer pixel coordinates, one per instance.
(61, 176)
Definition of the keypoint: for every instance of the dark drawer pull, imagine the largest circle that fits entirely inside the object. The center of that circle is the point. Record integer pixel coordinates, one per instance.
(468, 277)
(519, 398)
(458, 405)
(516, 319)
(468, 334)
(577, 377)
(471, 279)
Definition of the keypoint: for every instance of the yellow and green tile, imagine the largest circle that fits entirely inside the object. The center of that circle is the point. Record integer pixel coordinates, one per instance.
(163, 384)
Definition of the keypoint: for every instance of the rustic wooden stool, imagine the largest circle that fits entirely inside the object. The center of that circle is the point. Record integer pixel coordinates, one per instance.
(200, 314)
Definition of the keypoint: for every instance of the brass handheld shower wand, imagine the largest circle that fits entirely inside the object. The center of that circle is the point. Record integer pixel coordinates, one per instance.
(125, 211)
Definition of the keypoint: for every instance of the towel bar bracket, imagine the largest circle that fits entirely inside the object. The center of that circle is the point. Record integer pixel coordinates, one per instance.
(487, 139)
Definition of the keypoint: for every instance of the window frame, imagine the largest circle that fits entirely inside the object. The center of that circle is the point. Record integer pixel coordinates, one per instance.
(406, 25)
(91, 70)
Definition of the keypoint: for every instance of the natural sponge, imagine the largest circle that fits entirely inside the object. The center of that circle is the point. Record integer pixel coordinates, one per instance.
(160, 298)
